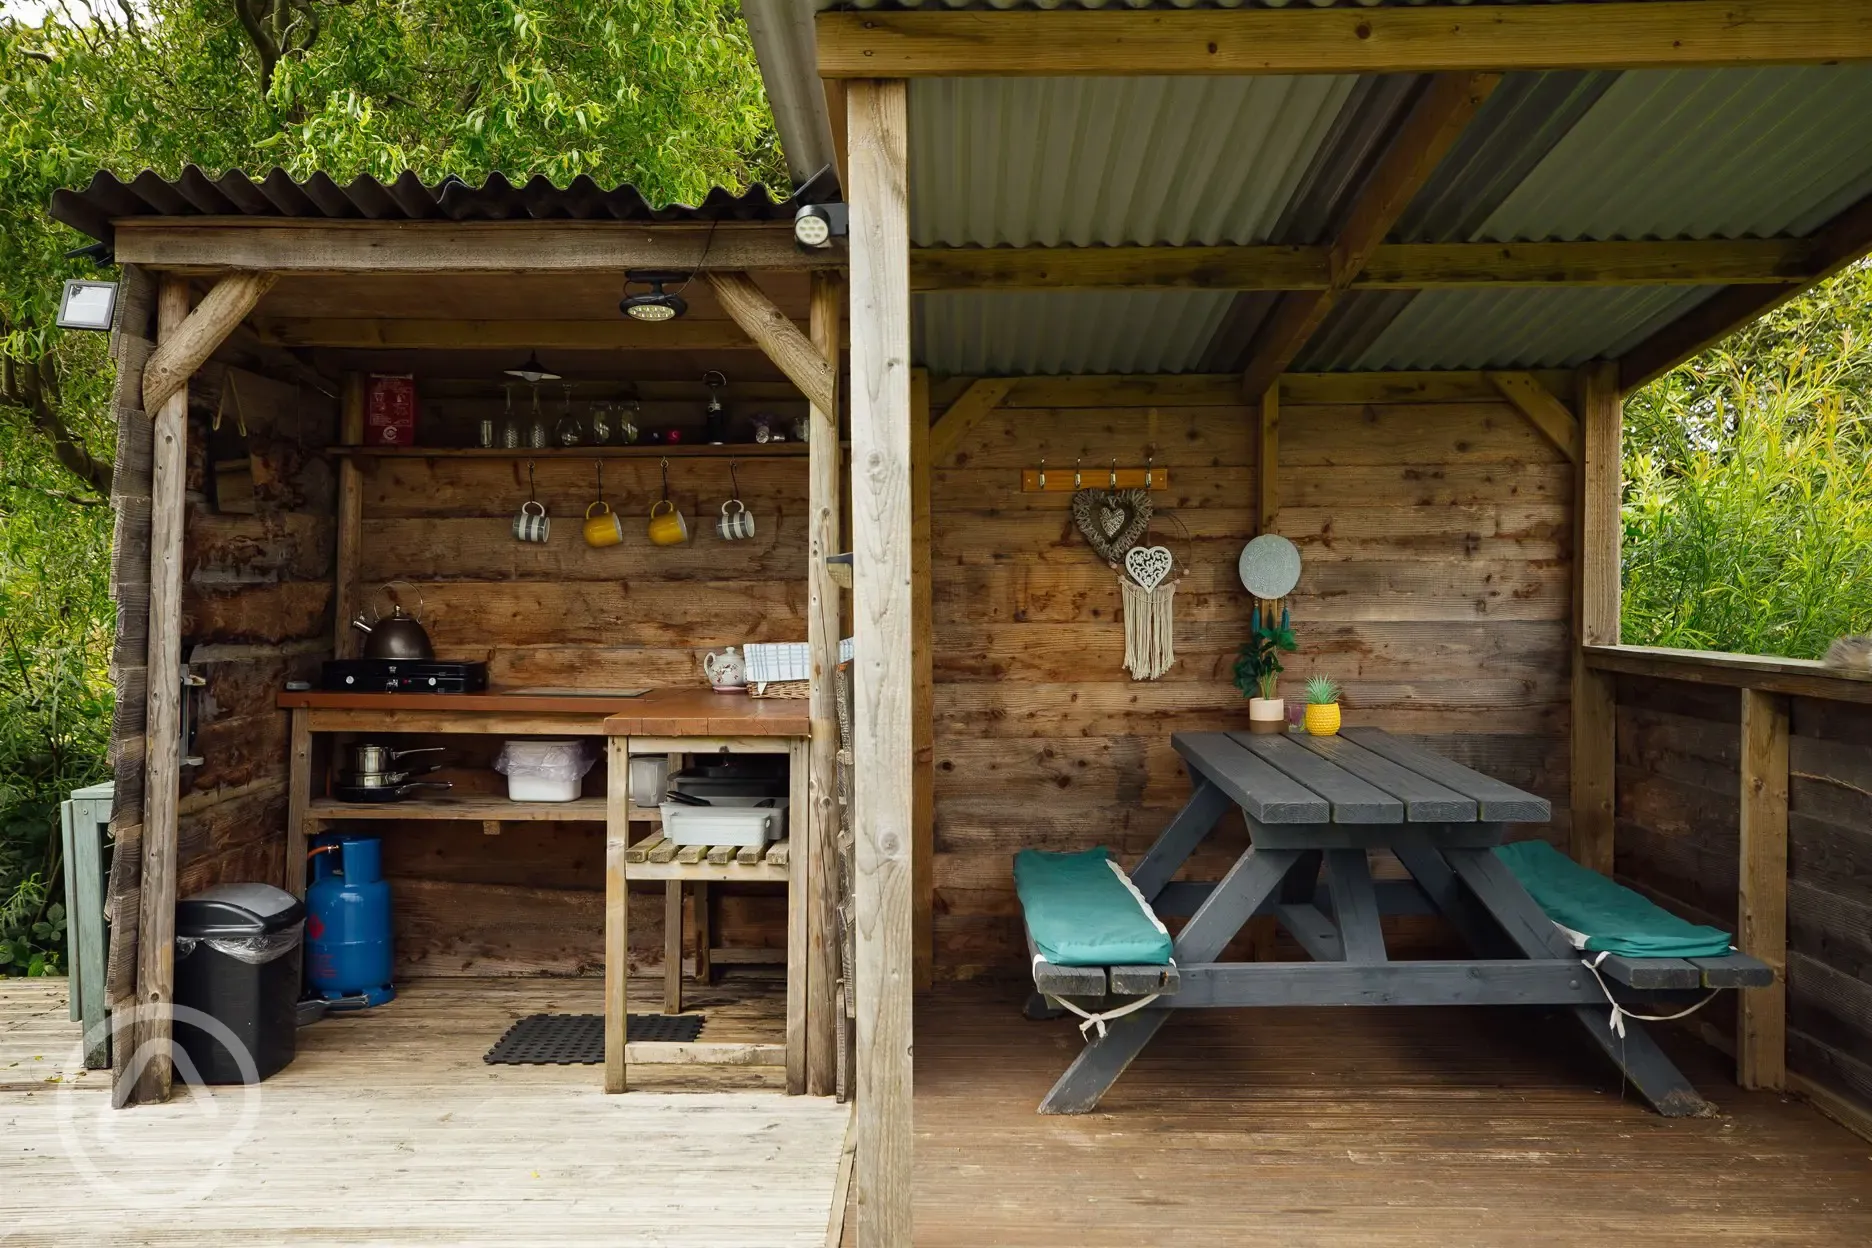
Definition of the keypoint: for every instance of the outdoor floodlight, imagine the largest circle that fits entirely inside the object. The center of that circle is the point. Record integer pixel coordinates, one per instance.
(816, 225)
(656, 304)
(87, 305)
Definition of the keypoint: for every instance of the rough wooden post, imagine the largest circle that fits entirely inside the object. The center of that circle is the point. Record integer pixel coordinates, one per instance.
(923, 699)
(1267, 461)
(345, 640)
(1596, 613)
(822, 638)
(1761, 902)
(162, 768)
(617, 910)
(884, 739)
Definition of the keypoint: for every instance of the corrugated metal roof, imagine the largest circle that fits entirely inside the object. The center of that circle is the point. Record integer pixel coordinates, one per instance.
(279, 194)
(1082, 161)
(1519, 327)
(1029, 333)
(1702, 154)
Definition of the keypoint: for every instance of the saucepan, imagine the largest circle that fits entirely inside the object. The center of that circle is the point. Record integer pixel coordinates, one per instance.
(377, 793)
(367, 759)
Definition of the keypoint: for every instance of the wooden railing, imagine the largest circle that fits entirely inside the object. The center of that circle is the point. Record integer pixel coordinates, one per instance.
(1801, 758)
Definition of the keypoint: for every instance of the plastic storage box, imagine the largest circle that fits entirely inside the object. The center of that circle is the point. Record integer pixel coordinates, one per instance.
(543, 770)
(727, 820)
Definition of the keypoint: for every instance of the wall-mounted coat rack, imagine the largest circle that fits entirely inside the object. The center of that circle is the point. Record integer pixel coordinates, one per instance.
(1044, 480)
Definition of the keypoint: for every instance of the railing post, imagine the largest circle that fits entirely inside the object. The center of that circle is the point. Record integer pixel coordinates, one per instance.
(1761, 895)
(1596, 613)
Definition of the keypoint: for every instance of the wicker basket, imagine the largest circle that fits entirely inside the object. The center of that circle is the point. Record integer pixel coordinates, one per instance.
(781, 689)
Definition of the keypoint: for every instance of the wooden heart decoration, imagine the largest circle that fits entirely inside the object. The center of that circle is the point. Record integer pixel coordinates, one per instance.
(1148, 565)
(1112, 521)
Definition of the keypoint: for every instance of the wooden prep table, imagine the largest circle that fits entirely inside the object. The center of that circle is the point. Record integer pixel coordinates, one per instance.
(658, 722)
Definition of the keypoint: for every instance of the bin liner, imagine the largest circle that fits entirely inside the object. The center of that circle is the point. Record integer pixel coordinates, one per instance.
(545, 760)
(253, 950)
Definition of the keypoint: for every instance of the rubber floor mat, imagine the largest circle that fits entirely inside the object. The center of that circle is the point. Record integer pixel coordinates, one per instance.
(578, 1039)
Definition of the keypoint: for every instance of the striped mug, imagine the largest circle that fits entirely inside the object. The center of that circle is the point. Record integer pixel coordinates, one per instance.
(532, 524)
(736, 523)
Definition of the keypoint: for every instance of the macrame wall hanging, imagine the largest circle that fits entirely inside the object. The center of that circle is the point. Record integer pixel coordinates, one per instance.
(1114, 522)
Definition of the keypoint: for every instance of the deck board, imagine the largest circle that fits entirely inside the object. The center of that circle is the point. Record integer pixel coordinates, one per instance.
(390, 1129)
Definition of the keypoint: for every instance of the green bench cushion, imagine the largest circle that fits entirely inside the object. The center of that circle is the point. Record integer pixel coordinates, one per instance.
(1612, 917)
(1082, 912)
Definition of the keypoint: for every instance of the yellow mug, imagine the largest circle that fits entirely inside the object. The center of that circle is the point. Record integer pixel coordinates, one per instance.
(667, 528)
(603, 527)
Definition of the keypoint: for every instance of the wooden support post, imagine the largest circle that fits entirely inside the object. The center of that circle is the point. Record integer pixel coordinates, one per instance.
(701, 908)
(923, 692)
(345, 640)
(617, 926)
(799, 925)
(885, 744)
(1761, 902)
(774, 332)
(298, 799)
(820, 843)
(1596, 613)
(1267, 461)
(190, 342)
(162, 759)
(672, 947)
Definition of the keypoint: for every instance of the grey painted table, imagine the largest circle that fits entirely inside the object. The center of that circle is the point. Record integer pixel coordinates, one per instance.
(1326, 801)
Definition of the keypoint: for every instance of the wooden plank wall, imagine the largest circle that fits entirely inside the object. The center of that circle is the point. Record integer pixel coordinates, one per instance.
(1677, 839)
(529, 901)
(256, 612)
(1437, 545)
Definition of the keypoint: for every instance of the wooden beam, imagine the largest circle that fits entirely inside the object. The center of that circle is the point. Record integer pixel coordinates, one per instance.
(617, 913)
(346, 643)
(791, 351)
(1434, 122)
(335, 247)
(162, 751)
(1392, 266)
(1596, 616)
(179, 354)
(393, 334)
(1545, 412)
(922, 693)
(1346, 40)
(960, 417)
(835, 115)
(1761, 900)
(1267, 462)
(1802, 678)
(1839, 243)
(822, 639)
(885, 738)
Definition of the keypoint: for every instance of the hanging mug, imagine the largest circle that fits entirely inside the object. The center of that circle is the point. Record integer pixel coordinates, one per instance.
(603, 527)
(736, 523)
(532, 524)
(667, 528)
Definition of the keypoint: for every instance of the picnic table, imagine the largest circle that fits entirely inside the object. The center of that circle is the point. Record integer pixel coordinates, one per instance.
(1327, 801)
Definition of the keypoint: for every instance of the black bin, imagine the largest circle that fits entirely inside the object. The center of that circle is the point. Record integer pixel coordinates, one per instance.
(237, 961)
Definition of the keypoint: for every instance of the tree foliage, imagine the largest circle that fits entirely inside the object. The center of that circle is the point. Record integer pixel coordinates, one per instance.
(664, 94)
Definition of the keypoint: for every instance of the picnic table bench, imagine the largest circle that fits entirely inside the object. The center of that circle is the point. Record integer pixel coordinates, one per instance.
(1313, 802)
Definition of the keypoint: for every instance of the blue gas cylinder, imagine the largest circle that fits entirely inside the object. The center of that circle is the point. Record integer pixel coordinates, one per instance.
(348, 922)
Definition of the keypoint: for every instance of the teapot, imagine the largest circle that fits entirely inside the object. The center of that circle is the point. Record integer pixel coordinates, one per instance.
(726, 670)
(398, 635)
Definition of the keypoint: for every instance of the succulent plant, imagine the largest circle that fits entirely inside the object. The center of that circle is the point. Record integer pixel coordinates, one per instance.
(1322, 690)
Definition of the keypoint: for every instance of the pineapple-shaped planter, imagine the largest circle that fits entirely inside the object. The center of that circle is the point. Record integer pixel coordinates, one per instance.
(1322, 706)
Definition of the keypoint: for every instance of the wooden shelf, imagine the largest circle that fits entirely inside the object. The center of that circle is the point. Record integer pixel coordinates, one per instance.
(641, 862)
(682, 450)
(475, 808)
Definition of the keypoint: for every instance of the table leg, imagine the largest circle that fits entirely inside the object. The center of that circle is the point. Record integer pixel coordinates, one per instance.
(1251, 881)
(672, 947)
(1654, 1075)
(1355, 905)
(617, 926)
(298, 802)
(1179, 840)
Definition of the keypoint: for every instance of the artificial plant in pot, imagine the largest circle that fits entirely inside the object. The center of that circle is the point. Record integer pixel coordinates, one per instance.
(1258, 669)
(1322, 706)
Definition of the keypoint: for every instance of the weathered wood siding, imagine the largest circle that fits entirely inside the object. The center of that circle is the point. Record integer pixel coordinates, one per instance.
(1678, 791)
(529, 901)
(1436, 542)
(256, 612)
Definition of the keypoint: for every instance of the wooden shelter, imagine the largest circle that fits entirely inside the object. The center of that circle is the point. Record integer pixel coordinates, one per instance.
(1374, 277)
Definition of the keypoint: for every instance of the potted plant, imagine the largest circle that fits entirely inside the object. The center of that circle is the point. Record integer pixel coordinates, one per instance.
(1322, 708)
(1258, 669)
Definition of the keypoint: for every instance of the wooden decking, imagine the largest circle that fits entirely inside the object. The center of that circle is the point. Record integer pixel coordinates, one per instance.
(390, 1129)
(1355, 1127)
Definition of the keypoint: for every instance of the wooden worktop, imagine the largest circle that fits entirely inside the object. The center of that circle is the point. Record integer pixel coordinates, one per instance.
(681, 712)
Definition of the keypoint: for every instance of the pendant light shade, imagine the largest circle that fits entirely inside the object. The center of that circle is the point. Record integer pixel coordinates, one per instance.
(533, 371)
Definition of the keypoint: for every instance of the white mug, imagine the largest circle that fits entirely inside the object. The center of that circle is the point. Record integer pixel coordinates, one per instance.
(532, 524)
(736, 522)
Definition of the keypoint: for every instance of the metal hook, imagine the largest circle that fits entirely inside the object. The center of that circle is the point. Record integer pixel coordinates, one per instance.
(1077, 482)
(1043, 472)
(1114, 474)
(664, 464)
(1148, 461)
(599, 465)
(734, 482)
(532, 489)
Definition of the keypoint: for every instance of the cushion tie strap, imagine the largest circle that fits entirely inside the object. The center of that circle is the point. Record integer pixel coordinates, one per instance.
(1620, 1013)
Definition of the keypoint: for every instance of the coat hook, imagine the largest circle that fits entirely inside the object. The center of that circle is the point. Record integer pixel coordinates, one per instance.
(1114, 474)
(1148, 461)
(1043, 472)
(1076, 480)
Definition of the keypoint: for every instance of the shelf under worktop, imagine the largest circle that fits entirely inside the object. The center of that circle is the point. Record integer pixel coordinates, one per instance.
(478, 808)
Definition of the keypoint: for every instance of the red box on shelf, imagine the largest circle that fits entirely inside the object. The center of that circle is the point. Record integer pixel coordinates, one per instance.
(390, 411)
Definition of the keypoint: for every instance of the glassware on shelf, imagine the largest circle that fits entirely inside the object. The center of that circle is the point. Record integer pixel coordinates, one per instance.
(629, 414)
(536, 429)
(510, 425)
(601, 423)
(567, 431)
(486, 440)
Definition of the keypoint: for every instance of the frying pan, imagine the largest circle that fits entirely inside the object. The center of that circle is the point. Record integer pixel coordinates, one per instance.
(377, 795)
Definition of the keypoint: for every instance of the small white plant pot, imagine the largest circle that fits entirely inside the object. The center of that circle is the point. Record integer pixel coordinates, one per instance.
(1267, 714)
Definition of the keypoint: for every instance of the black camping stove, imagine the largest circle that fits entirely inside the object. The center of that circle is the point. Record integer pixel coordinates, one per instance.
(401, 676)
